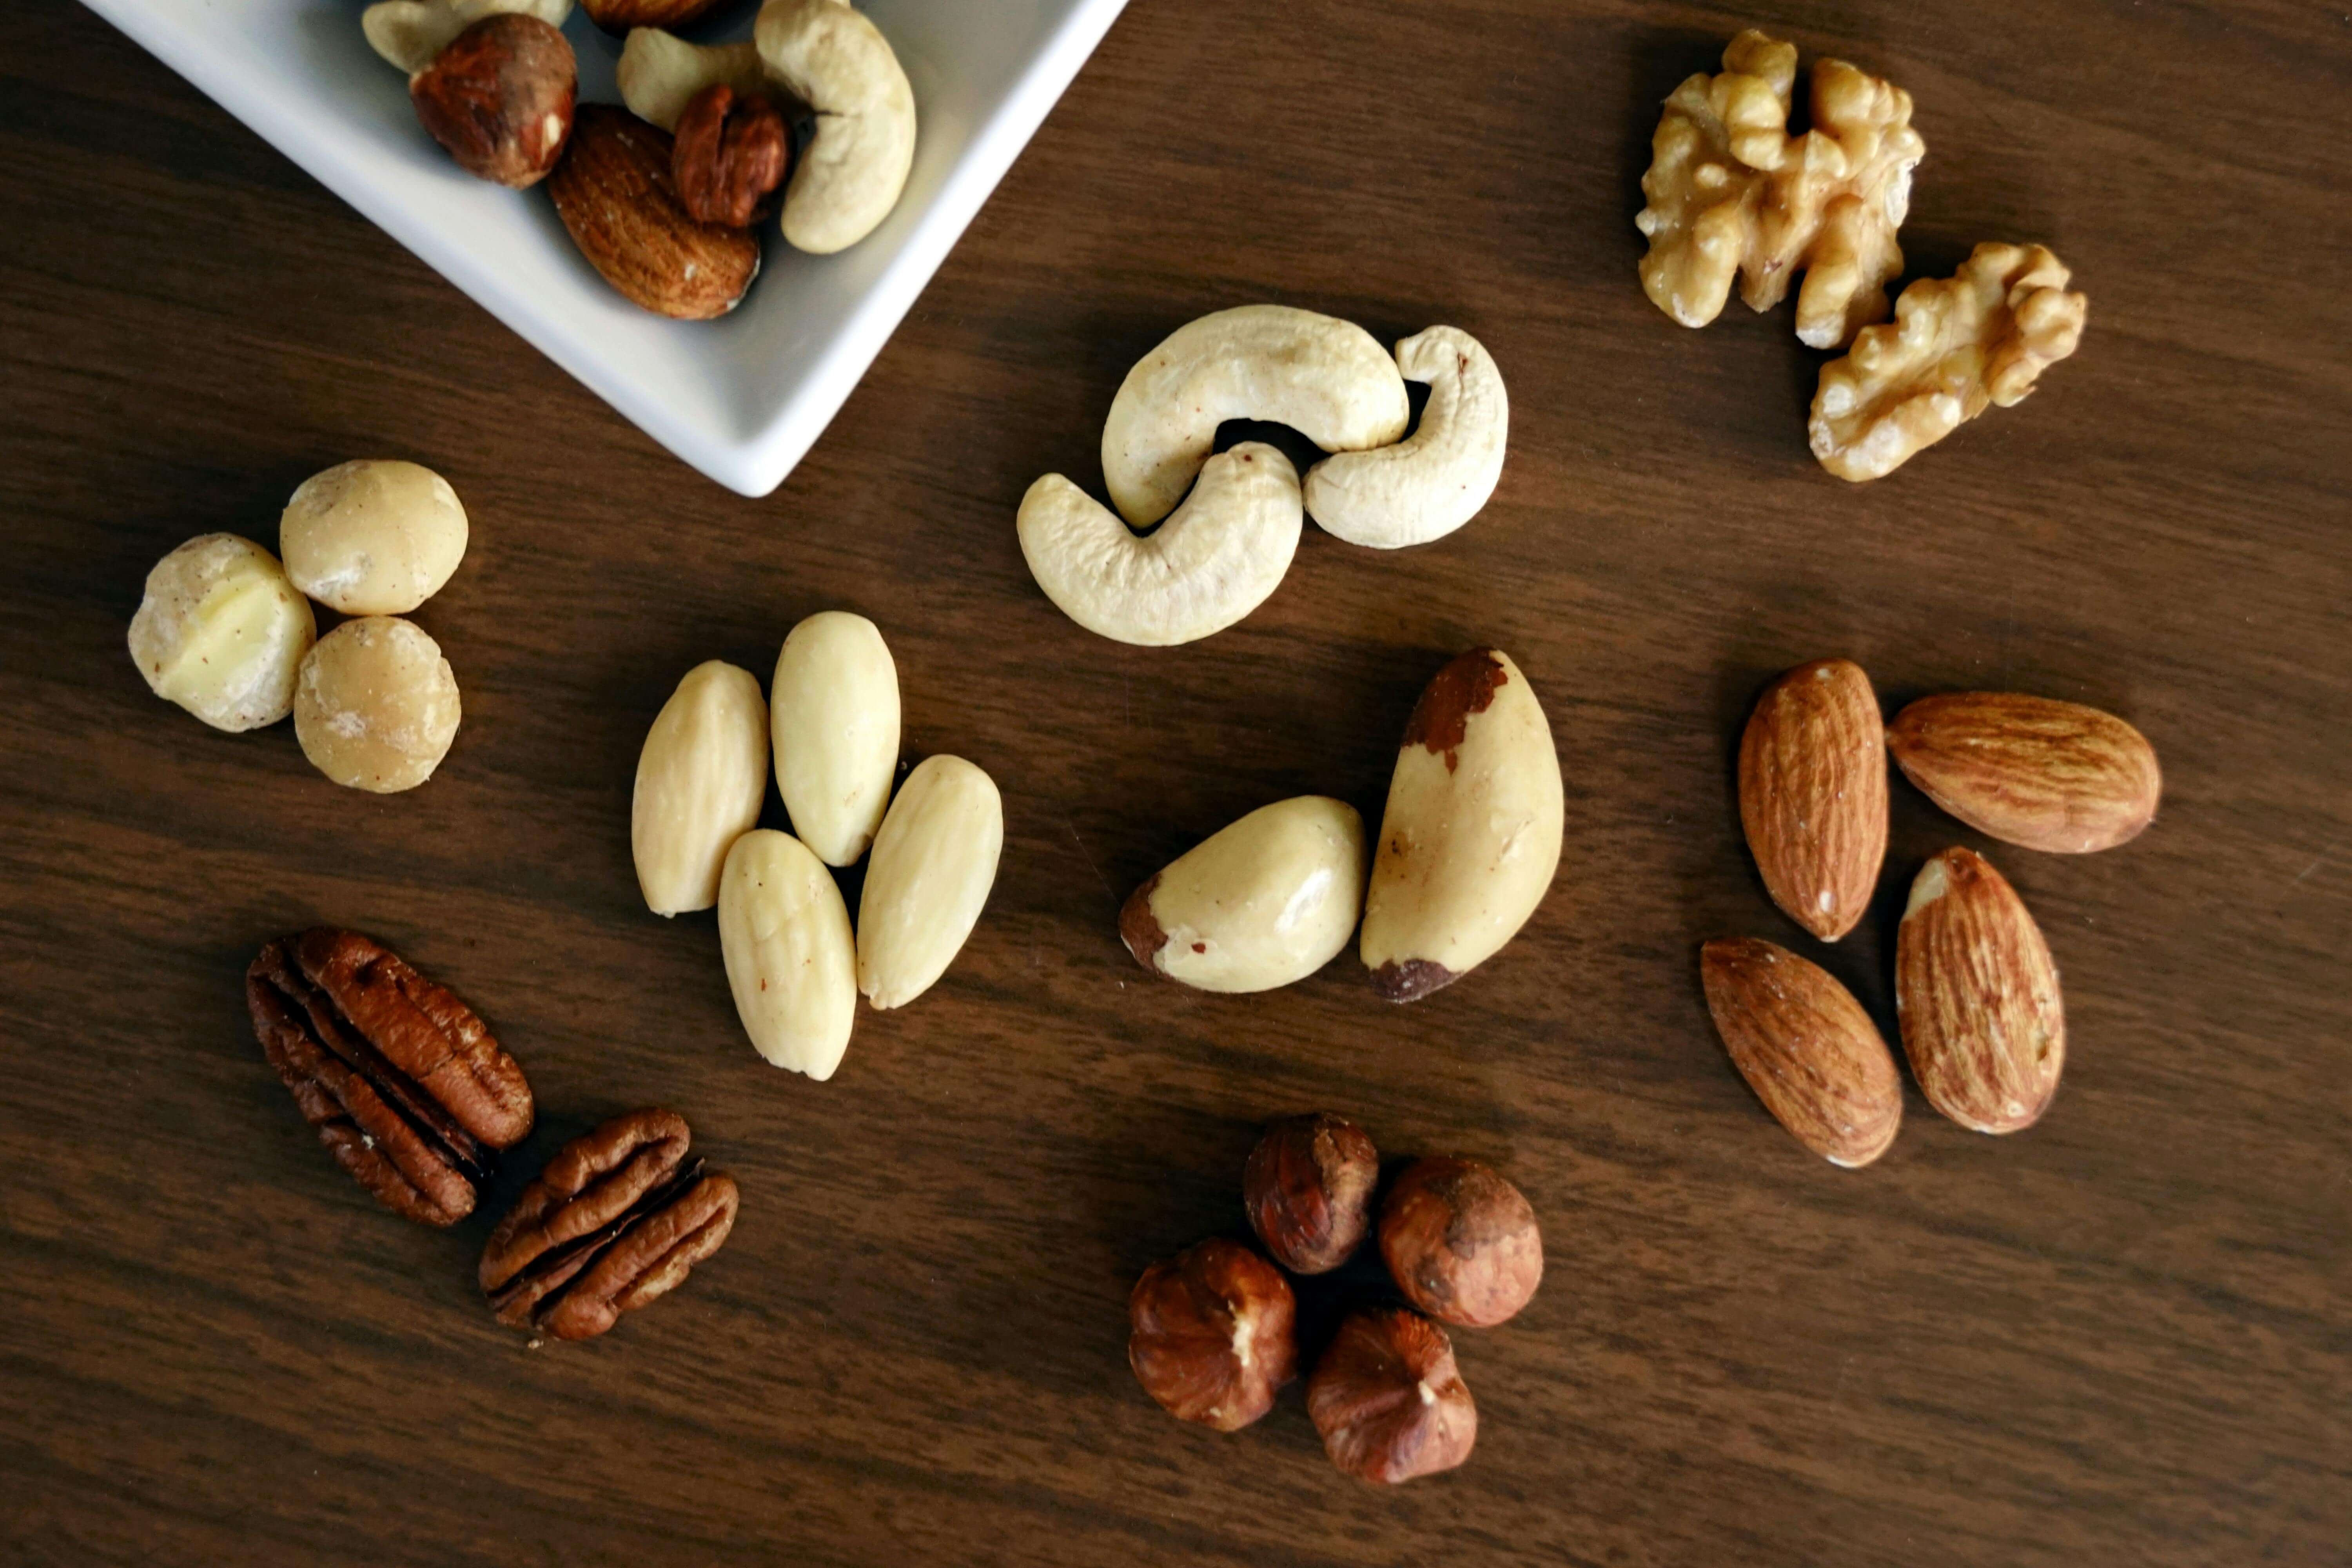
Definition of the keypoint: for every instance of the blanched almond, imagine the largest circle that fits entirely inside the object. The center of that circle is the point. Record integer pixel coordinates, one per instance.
(700, 781)
(791, 960)
(1977, 994)
(934, 863)
(834, 703)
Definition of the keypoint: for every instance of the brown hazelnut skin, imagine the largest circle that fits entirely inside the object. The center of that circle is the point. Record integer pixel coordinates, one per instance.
(732, 152)
(1387, 1400)
(499, 97)
(1213, 1334)
(1309, 1190)
(1461, 1242)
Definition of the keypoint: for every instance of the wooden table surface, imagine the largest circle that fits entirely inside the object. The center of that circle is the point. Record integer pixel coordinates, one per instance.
(2121, 1337)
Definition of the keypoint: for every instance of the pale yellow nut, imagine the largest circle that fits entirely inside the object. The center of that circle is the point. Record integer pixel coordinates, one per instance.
(1328, 379)
(791, 963)
(659, 73)
(1267, 900)
(834, 711)
(1470, 840)
(221, 632)
(376, 705)
(373, 537)
(934, 863)
(1428, 485)
(701, 778)
(850, 175)
(409, 33)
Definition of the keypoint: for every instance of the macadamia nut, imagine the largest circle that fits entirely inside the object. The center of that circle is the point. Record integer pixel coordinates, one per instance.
(221, 632)
(376, 705)
(373, 537)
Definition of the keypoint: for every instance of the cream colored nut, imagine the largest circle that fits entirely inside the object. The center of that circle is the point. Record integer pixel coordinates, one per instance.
(851, 172)
(373, 537)
(409, 33)
(1731, 193)
(221, 632)
(834, 715)
(1324, 377)
(701, 782)
(659, 73)
(1425, 487)
(1956, 347)
(1215, 561)
(791, 961)
(376, 705)
(1470, 840)
(1261, 903)
(933, 864)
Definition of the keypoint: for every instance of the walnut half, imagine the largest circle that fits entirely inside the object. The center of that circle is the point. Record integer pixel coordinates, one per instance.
(1955, 346)
(1731, 192)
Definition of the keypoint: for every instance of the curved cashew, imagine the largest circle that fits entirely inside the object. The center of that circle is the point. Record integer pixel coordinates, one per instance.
(849, 177)
(1425, 488)
(659, 73)
(1204, 569)
(1324, 377)
(409, 33)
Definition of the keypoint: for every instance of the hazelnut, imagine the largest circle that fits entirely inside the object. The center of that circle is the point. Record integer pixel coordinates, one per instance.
(732, 152)
(1213, 1334)
(375, 706)
(499, 97)
(1388, 1401)
(1461, 1241)
(1308, 1189)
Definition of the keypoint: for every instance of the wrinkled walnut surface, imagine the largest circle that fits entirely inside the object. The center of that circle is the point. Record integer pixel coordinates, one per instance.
(1731, 193)
(1957, 346)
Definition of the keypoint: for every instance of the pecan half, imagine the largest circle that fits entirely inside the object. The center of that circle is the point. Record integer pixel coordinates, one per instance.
(402, 1079)
(618, 1219)
(732, 153)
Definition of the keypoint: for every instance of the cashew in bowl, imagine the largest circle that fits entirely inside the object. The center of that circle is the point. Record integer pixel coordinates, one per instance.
(837, 62)
(409, 33)
(659, 73)
(1424, 488)
(1200, 571)
(1324, 377)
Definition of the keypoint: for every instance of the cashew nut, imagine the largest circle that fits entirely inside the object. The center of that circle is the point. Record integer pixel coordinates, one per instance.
(1200, 571)
(1324, 377)
(409, 33)
(1425, 488)
(659, 73)
(849, 177)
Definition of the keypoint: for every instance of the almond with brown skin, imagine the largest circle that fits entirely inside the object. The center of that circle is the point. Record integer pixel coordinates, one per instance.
(1805, 1046)
(617, 16)
(2030, 770)
(1813, 793)
(614, 193)
(1977, 995)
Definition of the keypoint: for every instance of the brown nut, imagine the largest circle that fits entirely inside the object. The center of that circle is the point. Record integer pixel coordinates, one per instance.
(1213, 1334)
(729, 154)
(1461, 1241)
(1308, 1189)
(616, 193)
(622, 16)
(499, 97)
(617, 1219)
(1388, 1401)
(402, 1079)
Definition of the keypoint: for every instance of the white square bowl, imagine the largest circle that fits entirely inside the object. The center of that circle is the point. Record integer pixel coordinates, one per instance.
(741, 399)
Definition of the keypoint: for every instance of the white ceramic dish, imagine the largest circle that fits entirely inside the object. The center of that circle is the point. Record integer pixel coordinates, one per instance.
(741, 399)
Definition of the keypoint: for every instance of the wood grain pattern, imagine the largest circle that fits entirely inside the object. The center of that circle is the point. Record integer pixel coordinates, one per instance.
(2123, 1336)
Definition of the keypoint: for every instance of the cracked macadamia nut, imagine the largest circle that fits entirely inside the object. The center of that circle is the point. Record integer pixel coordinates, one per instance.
(1213, 1334)
(373, 537)
(1388, 1401)
(1309, 1190)
(376, 705)
(221, 632)
(1461, 1242)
